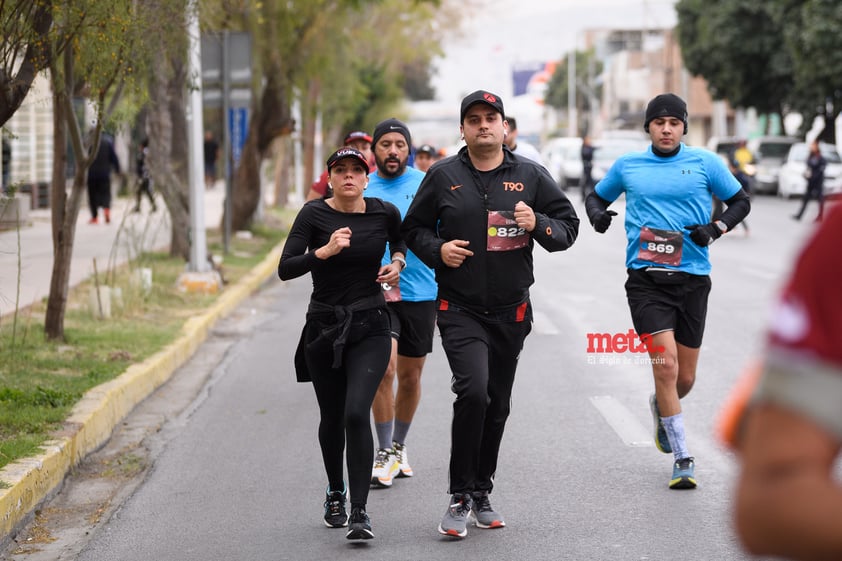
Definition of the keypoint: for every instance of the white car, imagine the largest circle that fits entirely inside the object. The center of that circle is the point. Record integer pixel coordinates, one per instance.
(563, 158)
(722, 145)
(791, 180)
(606, 150)
(769, 153)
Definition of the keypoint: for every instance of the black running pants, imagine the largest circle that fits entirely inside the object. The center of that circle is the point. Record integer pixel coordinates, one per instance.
(483, 357)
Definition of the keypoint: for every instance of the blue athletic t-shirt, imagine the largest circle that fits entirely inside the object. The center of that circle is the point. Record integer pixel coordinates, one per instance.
(663, 196)
(418, 282)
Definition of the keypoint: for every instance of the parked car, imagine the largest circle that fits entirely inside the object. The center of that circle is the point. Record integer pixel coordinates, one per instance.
(607, 150)
(791, 180)
(625, 134)
(769, 154)
(722, 145)
(563, 159)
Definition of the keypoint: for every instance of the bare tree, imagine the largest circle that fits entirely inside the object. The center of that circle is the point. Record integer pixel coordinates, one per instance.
(94, 61)
(25, 26)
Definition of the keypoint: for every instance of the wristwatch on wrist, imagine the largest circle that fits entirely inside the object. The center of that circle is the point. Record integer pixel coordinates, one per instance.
(723, 227)
(400, 260)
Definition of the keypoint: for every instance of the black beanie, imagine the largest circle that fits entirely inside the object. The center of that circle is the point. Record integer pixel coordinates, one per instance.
(391, 125)
(666, 105)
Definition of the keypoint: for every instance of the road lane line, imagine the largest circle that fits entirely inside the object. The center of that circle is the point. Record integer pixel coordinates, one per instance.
(619, 418)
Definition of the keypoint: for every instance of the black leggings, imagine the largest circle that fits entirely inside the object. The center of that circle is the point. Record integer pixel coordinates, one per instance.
(345, 396)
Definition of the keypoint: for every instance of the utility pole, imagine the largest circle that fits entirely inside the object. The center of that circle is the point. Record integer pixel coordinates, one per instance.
(198, 241)
(199, 277)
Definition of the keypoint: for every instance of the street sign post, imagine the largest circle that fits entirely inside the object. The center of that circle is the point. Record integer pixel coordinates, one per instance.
(226, 66)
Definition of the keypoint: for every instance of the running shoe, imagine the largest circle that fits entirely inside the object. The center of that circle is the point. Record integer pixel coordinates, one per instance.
(404, 469)
(661, 440)
(359, 527)
(335, 514)
(385, 468)
(455, 520)
(682, 474)
(482, 513)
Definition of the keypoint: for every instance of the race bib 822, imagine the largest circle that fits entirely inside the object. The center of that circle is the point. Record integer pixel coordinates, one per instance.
(503, 232)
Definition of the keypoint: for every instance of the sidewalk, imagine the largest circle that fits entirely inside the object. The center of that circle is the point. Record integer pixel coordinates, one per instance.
(25, 484)
(142, 230)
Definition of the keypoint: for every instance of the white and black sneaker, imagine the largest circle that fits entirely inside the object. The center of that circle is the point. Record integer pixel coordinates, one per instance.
(335, 514)
(359, 527)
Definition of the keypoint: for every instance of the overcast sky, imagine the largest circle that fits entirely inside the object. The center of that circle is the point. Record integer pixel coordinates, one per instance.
(507, 32)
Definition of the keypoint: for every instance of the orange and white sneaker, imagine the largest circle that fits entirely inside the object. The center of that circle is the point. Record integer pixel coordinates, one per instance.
(385, 468)
(404, 469)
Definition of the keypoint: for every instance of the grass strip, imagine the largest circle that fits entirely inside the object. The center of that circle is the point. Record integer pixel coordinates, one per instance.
(41, 381)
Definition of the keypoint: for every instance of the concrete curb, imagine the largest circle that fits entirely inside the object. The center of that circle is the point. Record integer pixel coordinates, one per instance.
(94, 418)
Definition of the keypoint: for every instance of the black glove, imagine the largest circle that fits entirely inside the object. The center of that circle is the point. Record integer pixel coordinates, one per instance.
(704, 234)
(602, 220)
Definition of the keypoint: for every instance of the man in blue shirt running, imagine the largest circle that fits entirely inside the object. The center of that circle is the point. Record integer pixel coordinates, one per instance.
(669, 189)
(412, 308)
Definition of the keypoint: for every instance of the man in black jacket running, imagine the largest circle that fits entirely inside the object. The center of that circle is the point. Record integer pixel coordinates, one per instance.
(474, 220)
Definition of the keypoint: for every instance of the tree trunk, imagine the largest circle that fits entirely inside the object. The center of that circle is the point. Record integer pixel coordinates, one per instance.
(179, 158)
(60, 279)
(308, 136)
(245, 195)
(14, 89)
(284, 171)
(166, 125)
(65, 212)
(270, 119)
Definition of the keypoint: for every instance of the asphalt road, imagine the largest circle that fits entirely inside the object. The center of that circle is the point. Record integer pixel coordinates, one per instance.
(238, 474)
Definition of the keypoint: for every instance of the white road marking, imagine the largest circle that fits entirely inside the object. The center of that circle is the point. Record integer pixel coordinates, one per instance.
(619, 418)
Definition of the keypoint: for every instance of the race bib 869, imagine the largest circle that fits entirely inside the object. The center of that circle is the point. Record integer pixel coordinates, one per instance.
(660, 246)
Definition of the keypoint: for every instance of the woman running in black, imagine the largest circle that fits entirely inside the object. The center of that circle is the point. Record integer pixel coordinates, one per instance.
(346, 341)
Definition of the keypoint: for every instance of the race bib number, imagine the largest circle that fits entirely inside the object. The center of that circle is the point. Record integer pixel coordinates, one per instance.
(660, 246)
(503, 232)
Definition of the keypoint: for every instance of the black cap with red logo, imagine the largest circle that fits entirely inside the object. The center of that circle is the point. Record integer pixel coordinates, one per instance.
(481, 96)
